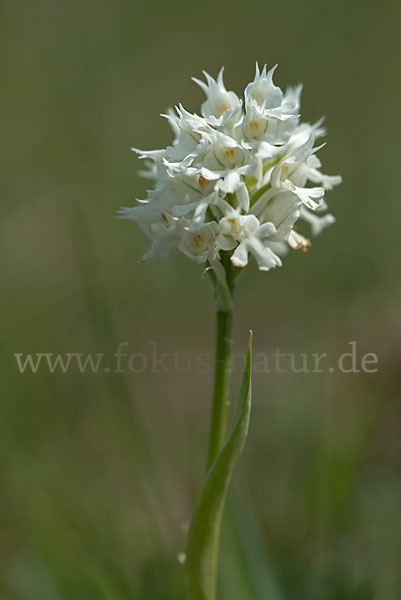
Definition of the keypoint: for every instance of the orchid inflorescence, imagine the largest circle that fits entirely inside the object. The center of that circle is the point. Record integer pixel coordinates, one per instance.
(234, 180)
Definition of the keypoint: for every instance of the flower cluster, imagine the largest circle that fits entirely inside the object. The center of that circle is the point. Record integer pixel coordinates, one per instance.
(235, 179)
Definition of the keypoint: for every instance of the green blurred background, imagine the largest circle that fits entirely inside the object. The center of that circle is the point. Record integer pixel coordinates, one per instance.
(100, 471)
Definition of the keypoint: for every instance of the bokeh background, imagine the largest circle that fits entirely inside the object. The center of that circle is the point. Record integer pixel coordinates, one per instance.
(100, 471)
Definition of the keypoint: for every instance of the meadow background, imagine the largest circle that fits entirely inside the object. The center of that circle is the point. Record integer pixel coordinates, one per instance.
(99, 472)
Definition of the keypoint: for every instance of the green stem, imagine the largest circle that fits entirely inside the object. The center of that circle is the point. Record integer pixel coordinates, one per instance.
(204, 533)
(221, 394)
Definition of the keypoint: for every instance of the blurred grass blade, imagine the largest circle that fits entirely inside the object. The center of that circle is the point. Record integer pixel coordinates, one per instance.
(204, 533)
(246, 571)
(106, 588)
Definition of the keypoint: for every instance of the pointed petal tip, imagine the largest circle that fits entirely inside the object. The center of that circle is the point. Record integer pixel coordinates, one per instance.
(201, 83)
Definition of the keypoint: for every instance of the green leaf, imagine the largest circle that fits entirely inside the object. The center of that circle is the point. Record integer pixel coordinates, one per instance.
(204, 532)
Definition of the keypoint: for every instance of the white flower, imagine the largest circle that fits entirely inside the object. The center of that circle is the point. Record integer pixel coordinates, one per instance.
(244, 234)
(220, 105)
(262, 89)
(236, 179)
(200, 244)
